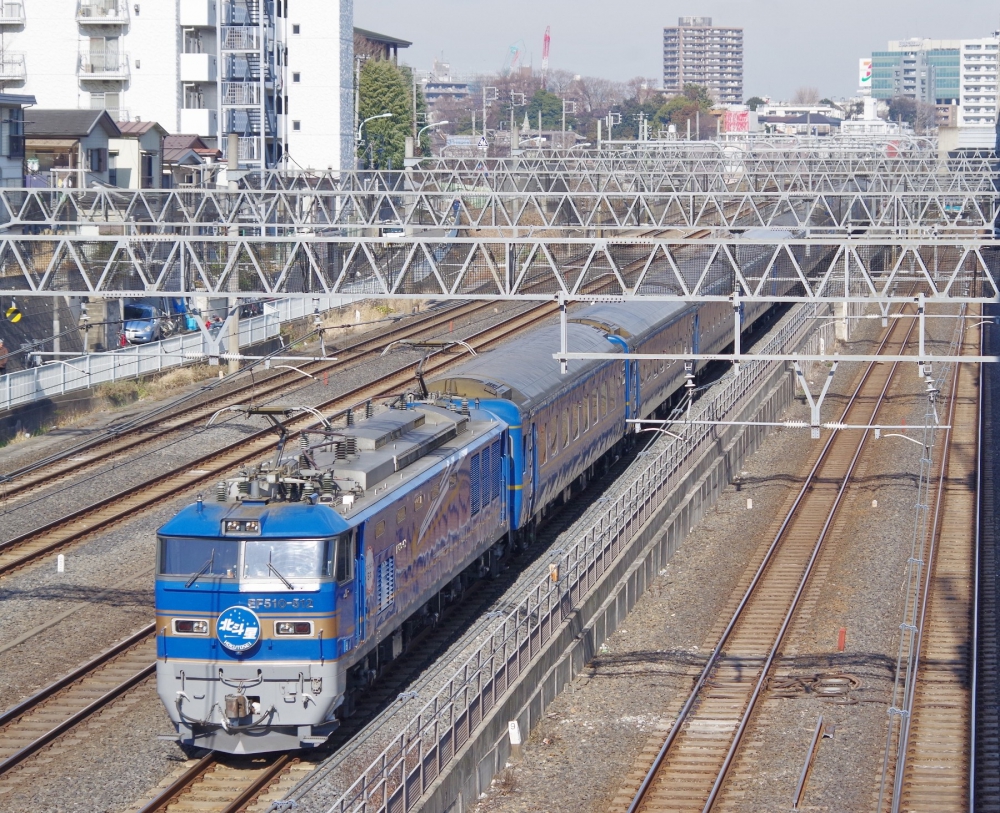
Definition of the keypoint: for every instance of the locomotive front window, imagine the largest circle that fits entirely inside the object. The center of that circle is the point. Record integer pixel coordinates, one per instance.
(292, 558)
(209, 557)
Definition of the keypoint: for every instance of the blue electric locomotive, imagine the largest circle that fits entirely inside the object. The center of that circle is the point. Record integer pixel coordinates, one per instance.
(280, 599)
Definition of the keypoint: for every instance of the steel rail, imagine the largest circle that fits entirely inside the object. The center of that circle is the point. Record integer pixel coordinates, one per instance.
(141, 496)
(81, 714)
(179, 785)
(714, 658)
(789, 616)
(899, 777)
(268, 775)
(29, 703)
(977, 545)
(12, 484)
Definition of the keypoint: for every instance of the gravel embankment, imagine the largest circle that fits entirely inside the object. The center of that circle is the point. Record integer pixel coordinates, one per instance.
(106, 593)
(577, 758)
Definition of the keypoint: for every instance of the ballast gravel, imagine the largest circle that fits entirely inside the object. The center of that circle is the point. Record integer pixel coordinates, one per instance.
(577, 758)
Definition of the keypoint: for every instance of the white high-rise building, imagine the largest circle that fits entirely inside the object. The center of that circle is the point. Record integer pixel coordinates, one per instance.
(278, 73)
(979, 67)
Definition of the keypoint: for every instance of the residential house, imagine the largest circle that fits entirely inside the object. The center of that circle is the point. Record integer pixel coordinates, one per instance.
(135, 161)
(68, 147)
(188, 161)
(12, 137)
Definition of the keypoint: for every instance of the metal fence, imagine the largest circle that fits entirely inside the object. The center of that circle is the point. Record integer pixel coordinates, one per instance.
(400, 775)
(60, 377)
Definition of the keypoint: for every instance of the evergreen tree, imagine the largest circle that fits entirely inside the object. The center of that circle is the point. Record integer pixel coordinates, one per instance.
(384, 89)
(551, 107)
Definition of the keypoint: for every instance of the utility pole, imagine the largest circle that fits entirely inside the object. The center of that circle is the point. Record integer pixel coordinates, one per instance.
(414, 109)
(516, 100)
(357, 96)
(233, 344)
(567, 106)
(489, 95)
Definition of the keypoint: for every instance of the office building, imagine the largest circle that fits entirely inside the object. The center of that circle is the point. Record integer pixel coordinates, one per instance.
(277, 74)
(698, 53)
(959, 77)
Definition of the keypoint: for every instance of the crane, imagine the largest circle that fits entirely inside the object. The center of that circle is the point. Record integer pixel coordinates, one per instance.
(514, 54)
(545, 53)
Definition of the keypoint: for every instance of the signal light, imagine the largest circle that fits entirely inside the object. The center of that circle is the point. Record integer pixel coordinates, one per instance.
(293, 627)
(190, 626)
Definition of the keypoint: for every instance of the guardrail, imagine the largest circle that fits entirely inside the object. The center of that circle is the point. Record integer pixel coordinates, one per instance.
(81, 372)
(400, 775)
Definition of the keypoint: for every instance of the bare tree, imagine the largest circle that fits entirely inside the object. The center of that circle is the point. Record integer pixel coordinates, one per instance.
(560, 82)
(806, 95)
(641, 88)
(926, 118)
(598, 95)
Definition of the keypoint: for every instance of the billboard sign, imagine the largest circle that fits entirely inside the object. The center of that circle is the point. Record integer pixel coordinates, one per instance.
(864, 73)
(737, 121)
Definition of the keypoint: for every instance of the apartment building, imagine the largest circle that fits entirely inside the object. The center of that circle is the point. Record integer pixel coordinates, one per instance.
(979, 69)
(960, 77)
(275, 72)
(698, 53)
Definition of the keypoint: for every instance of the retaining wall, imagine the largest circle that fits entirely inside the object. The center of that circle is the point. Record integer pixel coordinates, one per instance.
(580, 636)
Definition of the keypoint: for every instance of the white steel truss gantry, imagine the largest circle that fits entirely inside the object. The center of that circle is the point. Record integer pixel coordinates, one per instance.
(764, 268)
(281, 211)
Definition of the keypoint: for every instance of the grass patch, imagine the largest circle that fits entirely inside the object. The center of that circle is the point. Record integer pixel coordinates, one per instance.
(122, 393)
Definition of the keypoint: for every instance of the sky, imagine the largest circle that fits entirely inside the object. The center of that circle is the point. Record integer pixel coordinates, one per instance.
(788, 44)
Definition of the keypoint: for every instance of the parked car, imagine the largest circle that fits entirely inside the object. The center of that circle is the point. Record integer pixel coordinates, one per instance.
(142, 324)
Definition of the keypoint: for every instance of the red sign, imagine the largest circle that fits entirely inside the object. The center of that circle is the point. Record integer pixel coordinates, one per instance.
(737, 121)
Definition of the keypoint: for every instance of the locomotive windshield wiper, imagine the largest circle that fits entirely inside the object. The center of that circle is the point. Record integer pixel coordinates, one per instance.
(204, 569)
(277, 573)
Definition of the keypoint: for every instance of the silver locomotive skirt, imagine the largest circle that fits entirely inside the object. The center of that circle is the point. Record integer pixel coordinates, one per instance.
(252, 707)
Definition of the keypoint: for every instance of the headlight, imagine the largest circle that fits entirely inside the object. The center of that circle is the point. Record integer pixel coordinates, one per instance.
(293, 627)
(190, 626)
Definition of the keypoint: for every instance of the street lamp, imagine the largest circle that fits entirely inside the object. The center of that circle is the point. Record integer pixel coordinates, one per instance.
(372, 118)
(429, 127)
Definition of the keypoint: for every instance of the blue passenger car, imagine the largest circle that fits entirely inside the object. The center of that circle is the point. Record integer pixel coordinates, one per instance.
(280, 600)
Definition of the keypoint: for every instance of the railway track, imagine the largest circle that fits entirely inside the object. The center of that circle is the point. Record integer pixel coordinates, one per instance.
(40, 719)
(135, 437)
(688, 769)
(986, 694)
(21, 550)
(936, 770)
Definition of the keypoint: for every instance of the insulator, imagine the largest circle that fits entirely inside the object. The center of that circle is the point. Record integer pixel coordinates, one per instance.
(327, 482)
(340, 450)
(309, 489)
(351, 445)
(369, 408)
(303, 442)
(350, 417)
(243, 486)
(465, 406)
(221, 490)
(477, 403)
(303, 461)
